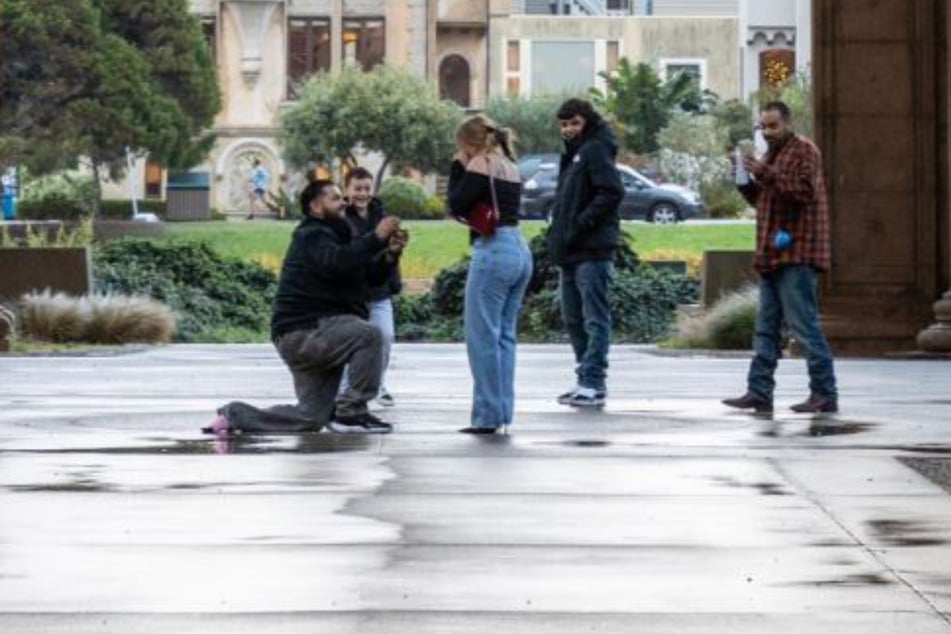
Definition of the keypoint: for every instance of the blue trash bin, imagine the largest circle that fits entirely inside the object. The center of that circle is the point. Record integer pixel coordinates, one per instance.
(9, 205)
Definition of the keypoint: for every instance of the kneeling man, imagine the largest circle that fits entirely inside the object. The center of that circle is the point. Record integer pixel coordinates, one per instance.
(319, 324)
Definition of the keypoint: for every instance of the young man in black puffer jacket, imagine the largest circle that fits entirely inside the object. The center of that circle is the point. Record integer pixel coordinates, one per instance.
(583, 239)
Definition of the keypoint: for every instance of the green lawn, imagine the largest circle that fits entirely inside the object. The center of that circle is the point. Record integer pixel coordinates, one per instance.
(434, 245)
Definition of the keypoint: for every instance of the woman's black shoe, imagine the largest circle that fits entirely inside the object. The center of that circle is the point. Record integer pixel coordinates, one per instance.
(482, 431)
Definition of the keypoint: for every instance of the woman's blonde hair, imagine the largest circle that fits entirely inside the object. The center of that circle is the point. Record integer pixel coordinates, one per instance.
(482, 132)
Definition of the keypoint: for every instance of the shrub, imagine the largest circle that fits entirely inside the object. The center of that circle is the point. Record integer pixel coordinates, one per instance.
(436, 208)
(531, 118)
(61, 196)
(107, 319)
(406, 198)
(57, 208)
(209, 293)
(56, 235)
(643, 301)
(728, 325)
(722, 200)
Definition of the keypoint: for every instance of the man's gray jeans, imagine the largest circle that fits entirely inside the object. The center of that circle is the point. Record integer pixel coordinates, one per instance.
(316, 359)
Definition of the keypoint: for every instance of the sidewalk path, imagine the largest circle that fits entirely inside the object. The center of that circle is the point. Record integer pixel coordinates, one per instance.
(662, 514)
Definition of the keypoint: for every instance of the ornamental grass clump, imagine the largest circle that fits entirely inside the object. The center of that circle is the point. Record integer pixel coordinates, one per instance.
(728, 325)
(96, 319)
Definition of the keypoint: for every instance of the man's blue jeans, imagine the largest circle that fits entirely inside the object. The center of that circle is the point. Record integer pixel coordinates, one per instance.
(586, 311)
(499, 273)
(790, 294)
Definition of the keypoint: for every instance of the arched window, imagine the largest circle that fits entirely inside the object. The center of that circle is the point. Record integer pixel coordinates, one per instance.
(454, 80)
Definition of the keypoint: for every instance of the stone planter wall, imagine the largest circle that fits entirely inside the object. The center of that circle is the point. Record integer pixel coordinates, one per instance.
(725, 272)
(65, 270)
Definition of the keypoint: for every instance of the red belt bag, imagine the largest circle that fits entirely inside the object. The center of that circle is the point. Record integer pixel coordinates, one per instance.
(484, 218)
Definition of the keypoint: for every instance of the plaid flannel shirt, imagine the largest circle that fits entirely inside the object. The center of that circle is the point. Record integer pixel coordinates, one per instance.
(790, 193)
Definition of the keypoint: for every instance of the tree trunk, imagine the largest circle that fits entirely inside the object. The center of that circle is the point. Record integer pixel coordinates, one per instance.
(98, 185)
(379, 176)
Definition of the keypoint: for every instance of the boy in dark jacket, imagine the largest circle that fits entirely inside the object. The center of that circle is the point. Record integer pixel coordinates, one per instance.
(319, 324)
(364, 212)
(582, 241)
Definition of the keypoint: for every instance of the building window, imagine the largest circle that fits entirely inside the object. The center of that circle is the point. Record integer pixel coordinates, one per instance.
(694, 68)
(153, 179)
(513, 57)
(619, 7)
(209, 28)
(364, 42)
(559, 67)
(308, 50)
(613, 56)
(455, 80)
(513, 86)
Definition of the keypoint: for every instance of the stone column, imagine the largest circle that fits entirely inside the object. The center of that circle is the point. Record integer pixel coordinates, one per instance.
(937, 338)
(879, 125)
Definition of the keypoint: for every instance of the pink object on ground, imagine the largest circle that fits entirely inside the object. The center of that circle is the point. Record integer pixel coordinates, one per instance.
(220, 425)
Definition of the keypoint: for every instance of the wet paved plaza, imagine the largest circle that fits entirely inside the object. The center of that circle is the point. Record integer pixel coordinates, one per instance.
(664, 513)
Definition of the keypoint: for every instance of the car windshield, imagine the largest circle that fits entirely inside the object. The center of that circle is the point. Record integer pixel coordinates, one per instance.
(638, 176)
(530, 165)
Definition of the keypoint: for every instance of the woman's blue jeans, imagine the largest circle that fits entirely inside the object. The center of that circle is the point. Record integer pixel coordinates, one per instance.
(499, 273)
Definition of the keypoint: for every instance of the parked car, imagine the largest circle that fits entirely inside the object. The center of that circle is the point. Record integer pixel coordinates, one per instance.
(529, 164)
(643, 199)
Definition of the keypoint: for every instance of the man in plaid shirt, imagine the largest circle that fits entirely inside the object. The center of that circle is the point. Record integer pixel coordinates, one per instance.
(792, 247)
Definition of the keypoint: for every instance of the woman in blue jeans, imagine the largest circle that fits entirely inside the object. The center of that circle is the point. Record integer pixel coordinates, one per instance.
(484, 173)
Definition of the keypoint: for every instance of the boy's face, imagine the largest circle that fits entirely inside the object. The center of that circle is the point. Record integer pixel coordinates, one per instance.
(360, 191)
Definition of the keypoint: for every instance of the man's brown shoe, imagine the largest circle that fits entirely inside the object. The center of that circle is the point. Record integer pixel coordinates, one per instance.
(816, 404)
(748, 401)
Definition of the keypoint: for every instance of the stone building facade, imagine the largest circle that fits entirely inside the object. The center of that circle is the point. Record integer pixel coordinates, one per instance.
(471, 49)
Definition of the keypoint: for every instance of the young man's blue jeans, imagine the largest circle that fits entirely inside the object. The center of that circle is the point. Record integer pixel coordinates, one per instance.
(586, 311)
(790, 294)
(499, 273)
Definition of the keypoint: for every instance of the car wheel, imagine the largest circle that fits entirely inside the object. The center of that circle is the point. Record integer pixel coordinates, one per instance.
(664, 214)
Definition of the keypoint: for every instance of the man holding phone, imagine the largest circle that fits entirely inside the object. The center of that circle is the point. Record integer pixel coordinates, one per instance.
(320, 322)
(792, 246)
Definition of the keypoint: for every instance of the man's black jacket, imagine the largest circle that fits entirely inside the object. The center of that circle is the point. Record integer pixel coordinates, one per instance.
(586, 223)
(327, 271)
(361, 225)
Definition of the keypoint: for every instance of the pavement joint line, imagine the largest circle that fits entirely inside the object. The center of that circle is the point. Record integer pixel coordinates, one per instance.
(808, 494)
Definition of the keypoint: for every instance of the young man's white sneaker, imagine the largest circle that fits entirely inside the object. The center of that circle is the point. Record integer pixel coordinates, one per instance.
(565, 399)
(588, 397)
(384, 398)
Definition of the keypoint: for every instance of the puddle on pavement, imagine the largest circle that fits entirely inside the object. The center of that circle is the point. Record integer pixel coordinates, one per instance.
(905, 533)
(765, 488)
(832, 427)
(941, 450)
(299, 444)
(584, 444)
(76, 486)
(856, 580)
